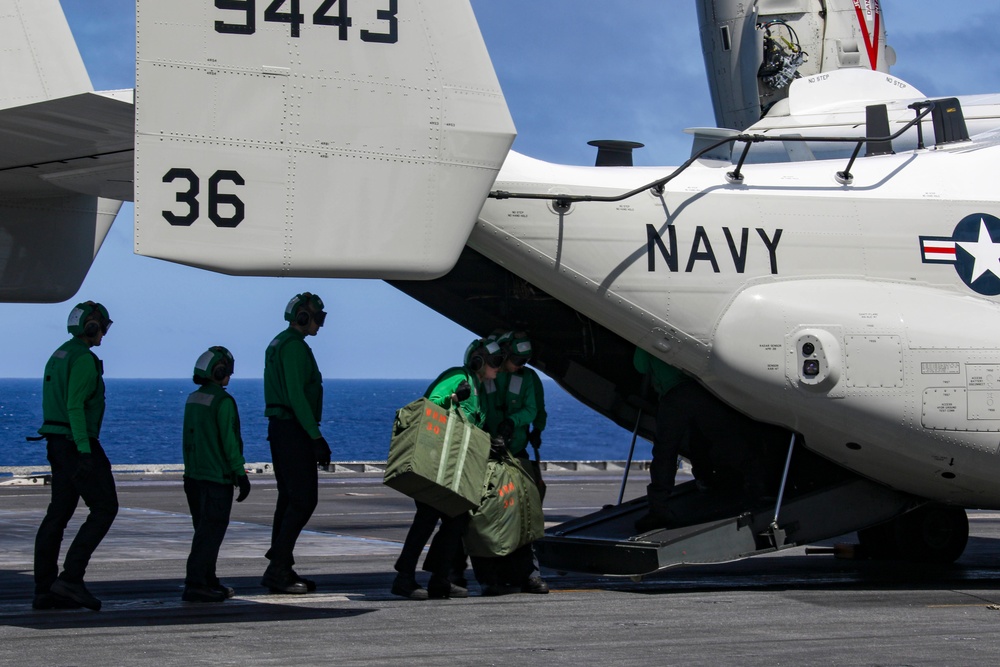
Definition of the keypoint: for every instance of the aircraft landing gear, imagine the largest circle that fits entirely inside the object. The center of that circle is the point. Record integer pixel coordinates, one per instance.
(930, 534)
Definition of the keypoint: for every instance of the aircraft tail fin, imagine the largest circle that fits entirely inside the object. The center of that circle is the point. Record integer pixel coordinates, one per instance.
(40, 58)
(51, 224)
(754, 51)
(317, 139)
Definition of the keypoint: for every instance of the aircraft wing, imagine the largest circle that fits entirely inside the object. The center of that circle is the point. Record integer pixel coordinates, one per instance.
(82, 143)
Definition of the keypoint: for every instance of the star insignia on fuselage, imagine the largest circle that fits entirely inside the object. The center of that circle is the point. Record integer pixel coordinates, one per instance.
(973, 249)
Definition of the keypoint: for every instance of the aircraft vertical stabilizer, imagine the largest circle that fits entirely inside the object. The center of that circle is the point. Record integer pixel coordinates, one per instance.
(40, 58)
(53, 134)
(316, 138)
(753, 51)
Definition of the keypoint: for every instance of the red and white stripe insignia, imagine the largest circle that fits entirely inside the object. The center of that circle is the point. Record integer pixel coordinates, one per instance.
(937, 250)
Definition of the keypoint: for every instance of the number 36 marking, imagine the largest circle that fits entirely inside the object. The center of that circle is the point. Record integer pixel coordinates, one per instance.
(324, 15)
(215, 198)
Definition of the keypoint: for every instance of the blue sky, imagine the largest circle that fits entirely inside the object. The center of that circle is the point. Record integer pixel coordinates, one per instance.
(572, 71)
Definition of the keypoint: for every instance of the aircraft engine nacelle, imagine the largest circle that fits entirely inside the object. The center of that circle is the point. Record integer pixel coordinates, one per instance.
(314, 138)
(752, 53)
(876, 376)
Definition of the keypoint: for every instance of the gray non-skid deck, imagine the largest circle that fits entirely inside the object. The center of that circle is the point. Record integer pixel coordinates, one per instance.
(783, 608)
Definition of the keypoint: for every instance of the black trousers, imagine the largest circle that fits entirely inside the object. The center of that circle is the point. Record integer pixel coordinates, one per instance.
(445, 546)
(210, 504)
(298, 482)
(97, 488)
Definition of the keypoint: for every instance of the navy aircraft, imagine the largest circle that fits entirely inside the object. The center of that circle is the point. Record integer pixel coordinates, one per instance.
(846, 302)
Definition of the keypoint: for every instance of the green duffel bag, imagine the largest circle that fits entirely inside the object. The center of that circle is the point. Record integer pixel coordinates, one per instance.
(510, 514)
(438, 457)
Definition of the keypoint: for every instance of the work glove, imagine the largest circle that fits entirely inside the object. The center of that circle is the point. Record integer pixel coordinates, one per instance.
(463, 391)
(84, 466)
(322, 451)
(497, 447)
(505, 429)
(244, 483)
(535, 438)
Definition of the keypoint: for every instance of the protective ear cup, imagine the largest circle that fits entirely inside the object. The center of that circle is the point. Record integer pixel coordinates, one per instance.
(476, 363)
(214, 364)
(303, 317)
(91, 329)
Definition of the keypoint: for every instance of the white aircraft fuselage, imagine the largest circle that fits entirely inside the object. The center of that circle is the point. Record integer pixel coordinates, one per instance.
(892, 280)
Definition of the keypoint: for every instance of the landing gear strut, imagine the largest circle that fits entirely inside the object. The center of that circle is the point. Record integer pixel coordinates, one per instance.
(929, 534)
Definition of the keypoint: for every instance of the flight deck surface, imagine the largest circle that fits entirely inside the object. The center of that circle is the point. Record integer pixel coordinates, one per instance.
(782, 608)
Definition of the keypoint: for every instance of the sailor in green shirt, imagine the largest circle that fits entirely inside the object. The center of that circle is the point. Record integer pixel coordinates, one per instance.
(73, 410)
(465, 385)
(513, 401)
(293, 393)
(460, 386)
(213, 465)
(671, 430)
(691, 417)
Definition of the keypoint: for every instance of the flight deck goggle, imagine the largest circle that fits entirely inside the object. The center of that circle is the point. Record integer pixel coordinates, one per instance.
(103, 323)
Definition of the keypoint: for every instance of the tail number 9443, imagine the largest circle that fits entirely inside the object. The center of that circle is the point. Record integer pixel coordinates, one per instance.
(334, 13)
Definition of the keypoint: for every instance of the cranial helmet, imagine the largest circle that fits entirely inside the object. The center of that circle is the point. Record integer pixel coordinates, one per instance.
(305, 307)
(87, 318)
(482, 352)
(517, 346)
(216, 363)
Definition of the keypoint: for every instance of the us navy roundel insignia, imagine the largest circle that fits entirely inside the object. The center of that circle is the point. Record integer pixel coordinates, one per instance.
(974, 249)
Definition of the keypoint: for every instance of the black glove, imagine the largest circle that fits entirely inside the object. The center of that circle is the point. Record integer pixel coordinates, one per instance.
(84, 465)
(535, 438)
(497, 447)
(322, 451)
(244, 483)
(505, 429)
(463, 391)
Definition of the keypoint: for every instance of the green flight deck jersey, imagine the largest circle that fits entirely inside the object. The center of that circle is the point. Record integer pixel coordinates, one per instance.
(293, 385)
(213, 446)
(512, 396)
(439, 392)
(73, 394)
(664, 376)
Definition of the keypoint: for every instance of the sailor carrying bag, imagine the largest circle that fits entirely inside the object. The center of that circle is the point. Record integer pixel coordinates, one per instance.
(438, 457)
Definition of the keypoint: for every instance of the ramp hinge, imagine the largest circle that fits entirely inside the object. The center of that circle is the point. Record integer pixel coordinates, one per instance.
(777, 535)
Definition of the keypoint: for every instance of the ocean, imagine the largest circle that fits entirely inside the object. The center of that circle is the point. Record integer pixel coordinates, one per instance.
(142, 423)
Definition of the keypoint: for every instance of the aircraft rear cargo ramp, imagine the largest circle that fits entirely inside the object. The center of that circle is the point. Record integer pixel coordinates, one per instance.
(721, 526)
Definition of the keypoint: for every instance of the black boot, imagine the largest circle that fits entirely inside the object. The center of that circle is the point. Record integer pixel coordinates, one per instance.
(441, 588)
(282, 580)
(76, 592)
(405, 585)
(204, 594)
